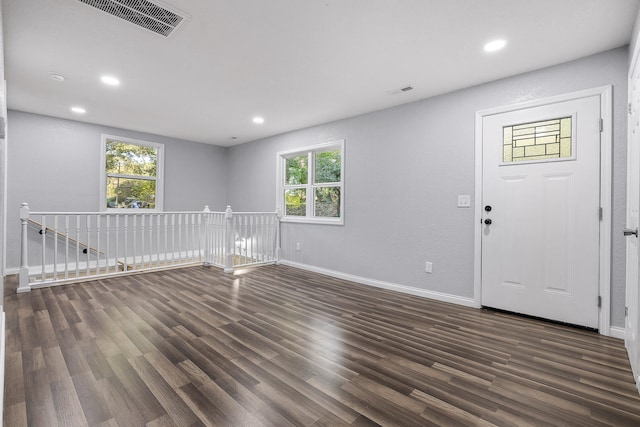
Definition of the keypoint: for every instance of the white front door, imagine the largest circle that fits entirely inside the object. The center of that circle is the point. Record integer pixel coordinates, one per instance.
(541, 216)
(632, 322)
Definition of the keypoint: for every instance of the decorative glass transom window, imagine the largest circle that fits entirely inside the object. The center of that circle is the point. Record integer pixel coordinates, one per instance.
(132, 177)
(544, 140)
(311, 184)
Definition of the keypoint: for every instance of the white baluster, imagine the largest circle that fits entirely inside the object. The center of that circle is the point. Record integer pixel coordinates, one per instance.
(166, 239)
(77, 246)
(134, 243)
(150, 241)
(55, 247)
(88, 242)
(193, 238)
(173, 238)
(179, 238)
(142, 237)
(66, 246)
(117, 236)
(107, 219)
(158, 225)
(261, 236)
(242, 233)
(43, 233)
(256, 238)
(185, 238)
(97, 244)
(126, 238)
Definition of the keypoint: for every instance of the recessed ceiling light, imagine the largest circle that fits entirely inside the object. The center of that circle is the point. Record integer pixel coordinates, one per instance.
(78, 110)
(258, 120)
(56, 77)
(110, 80)
(495, 45)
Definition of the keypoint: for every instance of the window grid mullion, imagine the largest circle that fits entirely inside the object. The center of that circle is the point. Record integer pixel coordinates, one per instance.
(311, 170)
(116, 175)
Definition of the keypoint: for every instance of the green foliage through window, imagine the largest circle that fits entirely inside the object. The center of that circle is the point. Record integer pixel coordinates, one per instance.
(328, 166)
(297, 170)
(327, 201)
(131, 171)
(295, 202)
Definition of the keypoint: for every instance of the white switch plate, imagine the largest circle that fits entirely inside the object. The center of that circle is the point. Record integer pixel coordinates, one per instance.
(464, 201)
(297, 246)
(428, 267)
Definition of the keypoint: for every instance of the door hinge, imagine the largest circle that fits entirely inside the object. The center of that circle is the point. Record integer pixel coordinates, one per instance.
(626, 311)
(601, 125)
(600, 213)
(630, 109)
(599, 301)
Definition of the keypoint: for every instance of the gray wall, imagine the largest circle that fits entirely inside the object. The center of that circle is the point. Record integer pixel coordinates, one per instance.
(634, 37)
(405, 167)
(54, 165)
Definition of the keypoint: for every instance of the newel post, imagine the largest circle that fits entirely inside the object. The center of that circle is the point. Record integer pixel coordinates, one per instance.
(229, 239)
(207, 236)
(23, 283)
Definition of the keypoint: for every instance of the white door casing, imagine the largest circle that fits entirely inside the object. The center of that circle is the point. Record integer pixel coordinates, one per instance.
(632, 320)
(543, 253)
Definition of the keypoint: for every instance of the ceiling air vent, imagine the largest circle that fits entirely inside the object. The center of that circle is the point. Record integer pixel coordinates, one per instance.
(143, 13)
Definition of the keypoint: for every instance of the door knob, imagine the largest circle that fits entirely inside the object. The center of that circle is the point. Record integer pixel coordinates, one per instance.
(488, 221)
(629, 232)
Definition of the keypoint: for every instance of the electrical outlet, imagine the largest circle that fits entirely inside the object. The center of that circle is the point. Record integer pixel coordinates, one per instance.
(297, 246)
(428, 267)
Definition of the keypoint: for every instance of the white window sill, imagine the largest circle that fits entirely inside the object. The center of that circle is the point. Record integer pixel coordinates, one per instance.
(326, 221)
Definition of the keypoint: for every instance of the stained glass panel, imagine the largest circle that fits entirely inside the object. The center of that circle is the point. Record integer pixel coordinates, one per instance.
(548, 139)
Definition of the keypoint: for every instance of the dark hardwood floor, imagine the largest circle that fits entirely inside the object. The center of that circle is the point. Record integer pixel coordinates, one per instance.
(283, 347)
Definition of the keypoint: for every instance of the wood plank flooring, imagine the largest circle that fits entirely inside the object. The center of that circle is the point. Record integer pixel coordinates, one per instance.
(278, 346)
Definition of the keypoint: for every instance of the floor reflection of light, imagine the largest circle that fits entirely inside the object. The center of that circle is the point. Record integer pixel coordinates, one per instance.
(328, 339)
(240, 272)
(235, 289)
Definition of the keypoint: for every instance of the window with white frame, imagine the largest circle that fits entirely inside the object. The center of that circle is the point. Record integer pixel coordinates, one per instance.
(132, 172)
(311, 184)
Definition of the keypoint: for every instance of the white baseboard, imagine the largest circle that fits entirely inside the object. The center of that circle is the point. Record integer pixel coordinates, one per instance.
(439, 296)
(617, 332)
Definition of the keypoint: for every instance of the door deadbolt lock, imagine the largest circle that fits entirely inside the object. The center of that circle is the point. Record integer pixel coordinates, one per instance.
(487, 208)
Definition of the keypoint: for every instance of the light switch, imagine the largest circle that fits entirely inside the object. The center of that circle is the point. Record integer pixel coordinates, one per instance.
(464, 201)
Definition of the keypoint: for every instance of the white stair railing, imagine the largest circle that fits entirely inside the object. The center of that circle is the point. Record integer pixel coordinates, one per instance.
(63, 247)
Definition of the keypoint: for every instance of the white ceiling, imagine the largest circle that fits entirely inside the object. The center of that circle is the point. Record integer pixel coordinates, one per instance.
(297, 63)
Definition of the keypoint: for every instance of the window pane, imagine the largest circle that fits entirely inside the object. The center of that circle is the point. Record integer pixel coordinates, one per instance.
(130, 159)
(131, 193)
(295, 202)
(297, 170)
(327, 201)
(328, 165)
